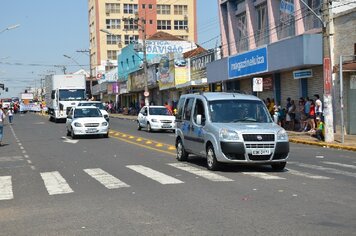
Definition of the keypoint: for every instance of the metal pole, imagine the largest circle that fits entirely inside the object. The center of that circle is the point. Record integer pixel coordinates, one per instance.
(90, 74)
(341, 99)
(146, 93)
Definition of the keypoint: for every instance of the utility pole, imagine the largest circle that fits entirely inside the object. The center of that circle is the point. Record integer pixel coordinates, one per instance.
(327, 72)
(90, 70)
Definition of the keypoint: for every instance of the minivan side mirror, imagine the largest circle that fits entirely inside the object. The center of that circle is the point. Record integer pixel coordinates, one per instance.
(198, 119)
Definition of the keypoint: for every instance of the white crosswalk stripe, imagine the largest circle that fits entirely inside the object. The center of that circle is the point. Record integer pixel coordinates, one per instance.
(6, 188)
(55, 183)
(105, 178)
(339, 164)
(326, 169)
(202, 173)
(262, 175)
(155, 175)
(307, 175)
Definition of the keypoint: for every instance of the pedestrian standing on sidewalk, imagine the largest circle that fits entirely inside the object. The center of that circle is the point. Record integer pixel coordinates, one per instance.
(10, 114)
(2, 119)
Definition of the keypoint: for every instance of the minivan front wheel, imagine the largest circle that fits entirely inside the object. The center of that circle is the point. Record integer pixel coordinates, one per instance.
(212, 163)
(279, 166)
(182, 155)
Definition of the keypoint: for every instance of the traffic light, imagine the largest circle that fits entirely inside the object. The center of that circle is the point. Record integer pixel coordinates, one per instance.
(2, 86)
(6, 89)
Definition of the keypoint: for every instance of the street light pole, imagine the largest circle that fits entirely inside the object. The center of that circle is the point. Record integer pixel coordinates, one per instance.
(90, 70)
(146, 93)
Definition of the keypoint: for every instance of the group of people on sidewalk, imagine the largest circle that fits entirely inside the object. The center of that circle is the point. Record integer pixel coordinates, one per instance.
(306, 116)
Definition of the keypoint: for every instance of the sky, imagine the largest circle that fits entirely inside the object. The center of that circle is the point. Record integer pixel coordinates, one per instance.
(51, 28)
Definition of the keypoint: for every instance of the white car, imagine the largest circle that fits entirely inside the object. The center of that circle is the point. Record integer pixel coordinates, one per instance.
(86, 120)
(97, 104)
(156, 118)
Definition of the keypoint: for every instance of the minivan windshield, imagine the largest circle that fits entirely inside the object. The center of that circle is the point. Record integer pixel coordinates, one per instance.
(95, 104)
(236, 111)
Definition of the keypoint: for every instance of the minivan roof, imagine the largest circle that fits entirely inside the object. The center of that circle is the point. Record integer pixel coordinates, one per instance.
(211, 96)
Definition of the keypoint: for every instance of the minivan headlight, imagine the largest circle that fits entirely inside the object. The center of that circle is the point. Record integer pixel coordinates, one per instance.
(104, 124)
(282, 135)
(228, 135)
(154, 120)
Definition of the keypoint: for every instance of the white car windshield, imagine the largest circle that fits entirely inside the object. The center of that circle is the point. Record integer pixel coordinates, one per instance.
(160, 111)
(86, 112)
(234, 111)
(95, 104)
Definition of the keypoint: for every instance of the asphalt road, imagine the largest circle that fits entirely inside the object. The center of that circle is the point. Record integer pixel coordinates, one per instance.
(131, 184)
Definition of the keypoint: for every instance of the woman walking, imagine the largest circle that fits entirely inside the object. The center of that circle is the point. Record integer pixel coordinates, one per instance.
(10, 114)
(2, 119)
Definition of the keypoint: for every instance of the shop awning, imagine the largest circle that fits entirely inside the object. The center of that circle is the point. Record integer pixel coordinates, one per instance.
(347, 66)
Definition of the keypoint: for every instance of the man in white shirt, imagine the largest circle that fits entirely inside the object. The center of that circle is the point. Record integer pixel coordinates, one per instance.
(318, 106)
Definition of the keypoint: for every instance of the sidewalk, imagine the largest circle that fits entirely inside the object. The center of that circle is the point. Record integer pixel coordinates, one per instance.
(295, 137)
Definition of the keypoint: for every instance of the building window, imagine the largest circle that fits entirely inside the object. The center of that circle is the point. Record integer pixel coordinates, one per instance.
(130, 8)
(180, 24)
(262, 25)
(113, 23)
(112, 7)
(286, 26)
(242, 37)
(113, 39)
(150, 6)
(130, 24)
(143, 6)
(129, 39)
(163, 9)
(112, 54)
(164, 25)
(310, 21)
(180, 9)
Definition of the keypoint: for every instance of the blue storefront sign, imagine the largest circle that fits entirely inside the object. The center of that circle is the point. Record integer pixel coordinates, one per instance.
(252, 62)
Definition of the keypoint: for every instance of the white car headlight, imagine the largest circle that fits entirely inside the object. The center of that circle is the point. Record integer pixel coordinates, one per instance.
(77, 124)
(228, 135)
(104, 124)
(282, 135)
(154, 120)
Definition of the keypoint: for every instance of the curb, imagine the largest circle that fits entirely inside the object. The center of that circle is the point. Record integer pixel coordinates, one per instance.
(322, 144)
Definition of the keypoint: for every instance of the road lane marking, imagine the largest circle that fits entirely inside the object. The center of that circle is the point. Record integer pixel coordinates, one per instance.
(326, 169)
(105, 178)
(262, 175)
(339, 164)
(307, 175)
(55, 183)
(6, 188)
(202, 173)
(155, 175)
(145, 146)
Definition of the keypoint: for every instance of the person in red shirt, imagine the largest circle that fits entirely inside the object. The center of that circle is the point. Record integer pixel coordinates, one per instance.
(168, 107)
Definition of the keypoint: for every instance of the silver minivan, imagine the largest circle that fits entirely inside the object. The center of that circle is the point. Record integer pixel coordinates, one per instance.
(229, 128)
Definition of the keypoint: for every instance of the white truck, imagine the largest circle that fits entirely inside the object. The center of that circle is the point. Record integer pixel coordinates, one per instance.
(62, 92)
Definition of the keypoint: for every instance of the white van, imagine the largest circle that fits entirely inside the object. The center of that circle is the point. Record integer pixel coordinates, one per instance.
(229, 128)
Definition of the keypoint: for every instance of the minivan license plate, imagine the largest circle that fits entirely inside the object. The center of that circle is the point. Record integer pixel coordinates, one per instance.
(91, 130)
(261, 152)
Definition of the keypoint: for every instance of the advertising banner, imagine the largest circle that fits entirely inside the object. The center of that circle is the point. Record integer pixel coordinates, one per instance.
(198, 65)
(180, 70)
(249, 63)
(165, 72)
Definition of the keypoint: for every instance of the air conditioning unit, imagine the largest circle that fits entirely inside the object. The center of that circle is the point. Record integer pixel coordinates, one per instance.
(185, 17)
(186, 28)
(107, 11)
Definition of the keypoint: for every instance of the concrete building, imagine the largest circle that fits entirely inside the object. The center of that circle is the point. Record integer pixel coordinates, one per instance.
(113, 24)
(345, 46)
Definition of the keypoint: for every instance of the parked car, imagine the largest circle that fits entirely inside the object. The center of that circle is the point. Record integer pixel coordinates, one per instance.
(229, 128)
(86, 120)
(155, 118)
(97, 104)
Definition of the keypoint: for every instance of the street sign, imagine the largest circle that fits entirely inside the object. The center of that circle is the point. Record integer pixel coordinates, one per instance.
(146, 94)
(258, 84)
(99, 75)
